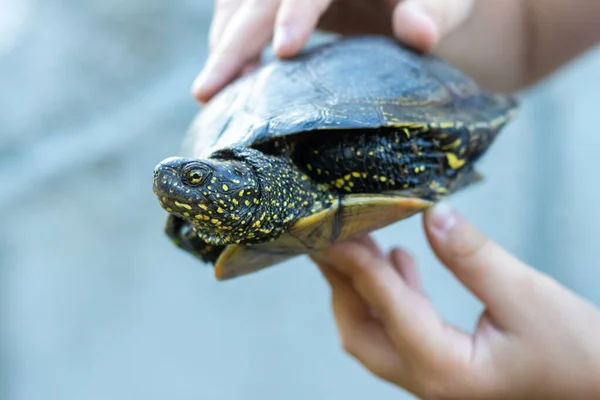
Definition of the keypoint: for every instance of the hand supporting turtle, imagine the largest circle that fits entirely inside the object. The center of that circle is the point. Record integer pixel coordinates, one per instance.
(535, 340)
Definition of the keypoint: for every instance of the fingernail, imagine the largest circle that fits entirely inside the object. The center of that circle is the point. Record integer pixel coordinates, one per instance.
(202, 80)
(281, 38)
(443, 217)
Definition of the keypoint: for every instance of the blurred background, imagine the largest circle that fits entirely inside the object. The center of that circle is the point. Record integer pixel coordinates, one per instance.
(97, 304)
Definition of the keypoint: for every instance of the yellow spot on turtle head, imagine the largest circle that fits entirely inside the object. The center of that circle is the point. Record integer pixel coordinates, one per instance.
(183, 205)
(225, 187)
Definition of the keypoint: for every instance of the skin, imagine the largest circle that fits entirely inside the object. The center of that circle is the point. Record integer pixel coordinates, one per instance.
(535, 339)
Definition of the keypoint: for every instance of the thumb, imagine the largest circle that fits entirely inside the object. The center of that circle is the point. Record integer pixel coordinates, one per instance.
(424, 23)
(492, 274)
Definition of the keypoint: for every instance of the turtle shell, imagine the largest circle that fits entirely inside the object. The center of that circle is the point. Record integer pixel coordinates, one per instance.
(350, 83)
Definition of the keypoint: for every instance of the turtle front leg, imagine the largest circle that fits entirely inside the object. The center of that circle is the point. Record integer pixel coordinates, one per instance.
(183, 236)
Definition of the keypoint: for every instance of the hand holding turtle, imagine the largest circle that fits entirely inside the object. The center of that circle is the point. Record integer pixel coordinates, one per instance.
(242, 28)
(534, 340)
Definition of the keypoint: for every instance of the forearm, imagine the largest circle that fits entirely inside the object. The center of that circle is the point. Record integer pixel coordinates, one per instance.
(508, 45)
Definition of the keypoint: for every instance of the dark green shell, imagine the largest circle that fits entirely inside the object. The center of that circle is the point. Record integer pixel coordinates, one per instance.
(354, 82)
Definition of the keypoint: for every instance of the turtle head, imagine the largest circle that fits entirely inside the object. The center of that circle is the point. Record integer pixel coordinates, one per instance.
(218, 197)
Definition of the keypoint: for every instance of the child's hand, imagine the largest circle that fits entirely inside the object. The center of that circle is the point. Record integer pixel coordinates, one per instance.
(242, 28)
(535, 340)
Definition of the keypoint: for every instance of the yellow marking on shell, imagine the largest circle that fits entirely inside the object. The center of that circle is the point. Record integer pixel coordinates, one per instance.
(435, 186)
(255, 201)
(382, 178)
(206, 218)
(339, 183)
(358, 153)
(256, 224)
(310, 168)
(363, 175)
(202, 206)
(356, 174)
(452, 145)
(215, 221)
(183, 205)
(319, 171)
(235, 202)
(169, 209)
(246, 202)
(446, 125)
(348, 177)
(454, 161)
(199, 216)
(225, 187)
(241, 192)
(220, 210)
(371, 154)
(235, 181)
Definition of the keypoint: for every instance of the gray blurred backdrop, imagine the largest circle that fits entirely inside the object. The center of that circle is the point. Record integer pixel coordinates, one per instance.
(97, 304)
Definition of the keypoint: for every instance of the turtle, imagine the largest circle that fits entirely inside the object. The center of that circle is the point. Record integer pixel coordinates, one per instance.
(343, 139)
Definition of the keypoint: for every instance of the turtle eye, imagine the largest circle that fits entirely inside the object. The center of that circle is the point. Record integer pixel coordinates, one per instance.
(195, 176)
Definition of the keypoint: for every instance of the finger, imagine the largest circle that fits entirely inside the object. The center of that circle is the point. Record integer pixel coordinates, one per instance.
(296, 20)
(410, 322)
(247, 34)
(368, 241)
(224, 11)
(423, 23)
(496, 277)
(250, 66)
(360, 335)
(407, 268)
